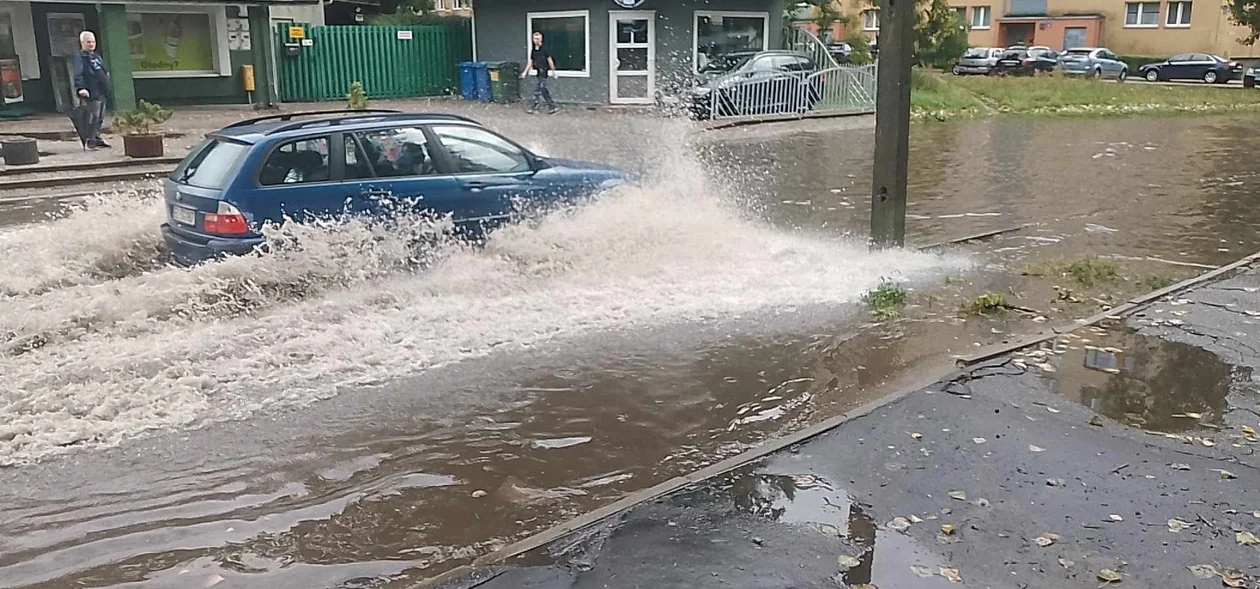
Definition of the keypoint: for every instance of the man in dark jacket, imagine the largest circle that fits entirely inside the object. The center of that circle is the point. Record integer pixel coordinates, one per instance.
(541, 61)
(91, 82)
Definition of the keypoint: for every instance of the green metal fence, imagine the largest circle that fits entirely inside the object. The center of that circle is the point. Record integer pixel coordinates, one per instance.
(390, 61)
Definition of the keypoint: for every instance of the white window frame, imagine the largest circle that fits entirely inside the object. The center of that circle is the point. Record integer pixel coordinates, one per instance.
(461, 4)
(529, 39)
(1138, 24)
(1180, 6)
(987, 12)
(875, 13)
(218, 39)
(695, 30)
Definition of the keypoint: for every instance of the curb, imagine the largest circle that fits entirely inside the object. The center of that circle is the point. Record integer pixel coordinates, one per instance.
(15, 170)
(72, 180)
(965, 366)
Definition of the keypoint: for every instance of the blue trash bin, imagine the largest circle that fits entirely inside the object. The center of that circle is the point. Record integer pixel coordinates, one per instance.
(481, 72)
(468, 79)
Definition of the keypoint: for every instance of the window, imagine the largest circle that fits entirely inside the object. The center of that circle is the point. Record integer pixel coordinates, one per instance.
(567, 35)
(211, 165)
(980, 17)
(462, 4)
(870, 20)
(178, 42)
(1178, 14)
(297, 162)
(1141, 14)
(1182, 57)
(721, 33)
(962, 13)
(476, 150)
(396, 153)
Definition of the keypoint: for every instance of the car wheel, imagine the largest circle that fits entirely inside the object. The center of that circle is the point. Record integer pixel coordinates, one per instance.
(1152, 75)
(1124, 75)
(1097, 73)
(1210, 77)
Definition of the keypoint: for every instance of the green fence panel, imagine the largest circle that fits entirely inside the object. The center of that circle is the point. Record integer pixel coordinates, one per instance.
(390, 61)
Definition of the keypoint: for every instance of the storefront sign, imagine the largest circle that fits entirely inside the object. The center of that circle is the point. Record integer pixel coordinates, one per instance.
(11, 80)
(628, 3)
(175, 42)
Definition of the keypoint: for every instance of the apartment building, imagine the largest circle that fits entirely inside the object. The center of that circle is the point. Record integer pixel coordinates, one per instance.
(1155, 28)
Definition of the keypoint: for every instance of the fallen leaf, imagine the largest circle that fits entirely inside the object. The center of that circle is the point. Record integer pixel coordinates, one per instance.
(947, 529)
(1115, 518)
(212, 580)
(1225, 474)
(478, 494)
(1065, 563)
(1247, 539)
(899, 524)
(951, 574)
(914, 519)
(848, 562)
(1045, 540)
(1204, 571)
(1179, 466)
(1249, 431)
(917, 436)
(921, 570)
(1052, 409)
(1255, 513)
(981, 502)
(959, 495)
(1176, 525)
(1096, 421)
(1234, 579)
(1208, 443)
(979, 440)
(1194, 415)
(1032, 448)
(1054, 482)
(1108, 576)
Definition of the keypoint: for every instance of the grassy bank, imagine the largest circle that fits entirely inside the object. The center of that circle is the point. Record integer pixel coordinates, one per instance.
(944, 97)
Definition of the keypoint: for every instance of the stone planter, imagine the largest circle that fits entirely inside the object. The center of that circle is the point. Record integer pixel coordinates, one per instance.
(143, 146)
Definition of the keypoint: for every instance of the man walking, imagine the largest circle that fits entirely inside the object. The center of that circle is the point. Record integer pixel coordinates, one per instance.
(540, 60)
(91, 82)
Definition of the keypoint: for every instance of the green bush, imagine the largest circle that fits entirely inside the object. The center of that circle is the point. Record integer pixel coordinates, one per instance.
(357, 98)
(861, 53)
(142, 120)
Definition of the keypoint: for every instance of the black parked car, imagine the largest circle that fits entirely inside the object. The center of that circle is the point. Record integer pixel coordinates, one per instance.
(755, 82)
(1212, 69)
(1026, 61)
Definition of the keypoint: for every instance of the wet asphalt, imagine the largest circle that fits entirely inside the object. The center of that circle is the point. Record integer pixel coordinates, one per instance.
(1006, 477)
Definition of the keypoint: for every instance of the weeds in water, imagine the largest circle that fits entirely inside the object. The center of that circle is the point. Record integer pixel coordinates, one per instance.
(985, 304)
(1088, 271)
(1156, 282)
(886, 300)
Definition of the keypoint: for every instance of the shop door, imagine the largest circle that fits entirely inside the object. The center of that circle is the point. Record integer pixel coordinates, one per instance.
(632, 57)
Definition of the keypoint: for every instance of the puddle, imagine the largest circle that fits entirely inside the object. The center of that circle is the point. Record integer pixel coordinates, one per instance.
(1141, 381)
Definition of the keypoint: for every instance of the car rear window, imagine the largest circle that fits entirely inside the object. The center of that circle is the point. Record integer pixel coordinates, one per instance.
(211, 164)
(1079, 51)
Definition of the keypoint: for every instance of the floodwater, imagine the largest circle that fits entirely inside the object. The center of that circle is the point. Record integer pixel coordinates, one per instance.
(327, 417)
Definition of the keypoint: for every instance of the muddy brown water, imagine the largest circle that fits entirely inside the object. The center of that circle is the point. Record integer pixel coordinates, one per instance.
(403, 474)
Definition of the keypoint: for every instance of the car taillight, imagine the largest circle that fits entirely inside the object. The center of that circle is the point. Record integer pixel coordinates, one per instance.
(227, 221)
(1027, 61)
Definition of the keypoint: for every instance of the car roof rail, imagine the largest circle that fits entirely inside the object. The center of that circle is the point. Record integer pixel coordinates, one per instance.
(386, 116)
(288, 116)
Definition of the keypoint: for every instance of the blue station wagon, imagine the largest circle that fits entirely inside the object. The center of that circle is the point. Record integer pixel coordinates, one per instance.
(305, 166)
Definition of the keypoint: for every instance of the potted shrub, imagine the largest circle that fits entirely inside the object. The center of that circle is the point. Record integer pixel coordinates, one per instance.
(140, 138)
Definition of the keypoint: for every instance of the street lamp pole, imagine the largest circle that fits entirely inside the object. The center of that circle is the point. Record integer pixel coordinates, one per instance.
(892, 123)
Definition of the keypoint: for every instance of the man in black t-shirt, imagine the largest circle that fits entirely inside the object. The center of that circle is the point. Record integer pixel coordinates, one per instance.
(540, 60)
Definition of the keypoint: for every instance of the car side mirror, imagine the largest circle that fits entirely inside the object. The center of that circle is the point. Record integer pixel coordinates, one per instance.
(539, 163)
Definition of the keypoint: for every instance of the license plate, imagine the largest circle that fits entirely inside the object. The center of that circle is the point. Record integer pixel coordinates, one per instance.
(183, 215)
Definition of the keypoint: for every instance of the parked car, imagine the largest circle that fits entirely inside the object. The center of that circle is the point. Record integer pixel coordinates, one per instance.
(306, 166)
(978, 60)
(1212, 69)
(755, 82)
(1249, 78)
(1026, 61)
(1093, 61)
(840, 51)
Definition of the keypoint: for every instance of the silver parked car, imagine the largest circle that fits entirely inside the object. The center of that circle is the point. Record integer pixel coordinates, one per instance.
(978, 60)
(1093, 61)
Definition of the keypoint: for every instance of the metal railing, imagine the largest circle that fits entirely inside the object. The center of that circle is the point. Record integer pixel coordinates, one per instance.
(803, 41)
(774, 94)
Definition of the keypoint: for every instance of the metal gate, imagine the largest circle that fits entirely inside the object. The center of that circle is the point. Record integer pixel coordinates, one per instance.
(837, 89)
(321, 62)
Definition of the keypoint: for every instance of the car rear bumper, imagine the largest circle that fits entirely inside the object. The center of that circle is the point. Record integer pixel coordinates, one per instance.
(186, 251)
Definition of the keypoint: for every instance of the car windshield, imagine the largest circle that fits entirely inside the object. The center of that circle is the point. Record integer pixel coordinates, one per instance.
(720, 64)
(210, 165)
(977, 52)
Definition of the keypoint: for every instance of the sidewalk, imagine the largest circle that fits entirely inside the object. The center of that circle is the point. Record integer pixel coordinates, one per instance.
(1124, 453)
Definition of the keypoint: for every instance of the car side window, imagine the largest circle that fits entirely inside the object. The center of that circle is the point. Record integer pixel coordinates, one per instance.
(297, 162)
(1182, 57)
(398, 153)
(357, 167)
(764, 64)
(1201, 57)
(476, 151)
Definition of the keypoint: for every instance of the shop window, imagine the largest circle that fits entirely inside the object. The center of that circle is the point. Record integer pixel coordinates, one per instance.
(721, 33)
(1141, 14)
(980, 17)
(567, 35)
(1178, 14)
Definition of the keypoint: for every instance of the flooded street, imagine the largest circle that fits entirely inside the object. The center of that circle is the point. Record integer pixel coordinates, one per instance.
(325, 417)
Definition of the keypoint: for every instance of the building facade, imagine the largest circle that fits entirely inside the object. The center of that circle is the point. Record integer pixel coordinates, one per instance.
(1154, 28)
(624, 51)
(166, 52)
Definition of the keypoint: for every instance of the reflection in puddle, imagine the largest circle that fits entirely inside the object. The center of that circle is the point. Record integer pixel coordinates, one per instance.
(815, 503)
(1146, 382)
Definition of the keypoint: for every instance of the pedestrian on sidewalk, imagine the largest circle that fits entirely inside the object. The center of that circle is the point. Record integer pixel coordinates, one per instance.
(91, 82)
(541, 61)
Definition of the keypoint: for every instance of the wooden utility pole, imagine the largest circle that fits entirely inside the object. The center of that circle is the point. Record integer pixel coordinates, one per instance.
(892, 123)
